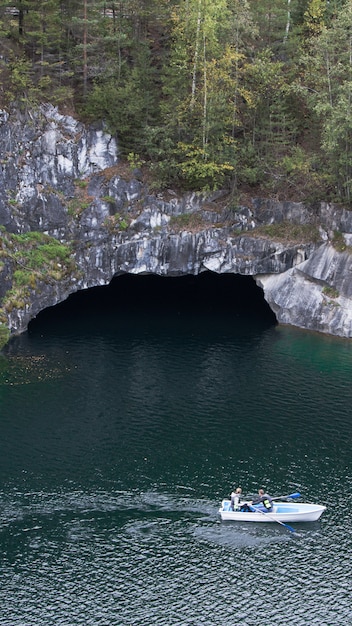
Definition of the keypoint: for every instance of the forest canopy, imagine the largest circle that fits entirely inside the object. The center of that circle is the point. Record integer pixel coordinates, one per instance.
(242, 94)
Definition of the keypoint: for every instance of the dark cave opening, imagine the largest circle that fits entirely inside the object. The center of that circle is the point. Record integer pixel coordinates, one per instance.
(205, 293)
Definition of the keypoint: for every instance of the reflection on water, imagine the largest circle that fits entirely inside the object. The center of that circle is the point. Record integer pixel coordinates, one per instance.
(121, 432)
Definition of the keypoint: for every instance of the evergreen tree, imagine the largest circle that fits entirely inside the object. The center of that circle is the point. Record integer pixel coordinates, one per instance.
(198, 90)
(328, 77)
(212, 92)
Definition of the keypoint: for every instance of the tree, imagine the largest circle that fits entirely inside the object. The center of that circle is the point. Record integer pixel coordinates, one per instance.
(126, 90)
(198, 91)
(274, 20)
(328, 78)
(313, 18)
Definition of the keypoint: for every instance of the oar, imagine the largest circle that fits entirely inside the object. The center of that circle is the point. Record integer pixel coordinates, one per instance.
(274, 520)
(291, 495)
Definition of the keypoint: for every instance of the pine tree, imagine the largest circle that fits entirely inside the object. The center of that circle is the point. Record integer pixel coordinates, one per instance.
(327, 85)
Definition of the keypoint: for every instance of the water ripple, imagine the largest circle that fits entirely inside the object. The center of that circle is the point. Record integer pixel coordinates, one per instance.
(113, 466)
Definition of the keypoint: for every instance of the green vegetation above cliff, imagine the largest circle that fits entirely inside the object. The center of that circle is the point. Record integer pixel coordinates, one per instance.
(245, 94)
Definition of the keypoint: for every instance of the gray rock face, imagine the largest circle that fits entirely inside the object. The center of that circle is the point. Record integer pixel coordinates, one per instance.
(61, 179)
(316, 294)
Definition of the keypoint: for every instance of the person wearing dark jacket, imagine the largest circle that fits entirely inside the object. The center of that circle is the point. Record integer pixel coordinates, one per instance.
(263, 502)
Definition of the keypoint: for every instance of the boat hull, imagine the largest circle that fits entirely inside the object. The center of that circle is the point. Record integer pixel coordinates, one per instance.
(282, 512)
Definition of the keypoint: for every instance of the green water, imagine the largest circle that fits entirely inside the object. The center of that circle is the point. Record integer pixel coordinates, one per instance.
(124, 420)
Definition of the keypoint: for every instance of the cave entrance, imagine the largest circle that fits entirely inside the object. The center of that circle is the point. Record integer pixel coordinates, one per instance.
(205, 294)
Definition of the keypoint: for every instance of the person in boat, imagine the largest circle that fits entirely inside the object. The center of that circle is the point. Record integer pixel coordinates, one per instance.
(235, 499)
(263, 502)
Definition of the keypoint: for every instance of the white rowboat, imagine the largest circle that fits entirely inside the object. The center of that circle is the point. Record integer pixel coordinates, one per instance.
(282, 512)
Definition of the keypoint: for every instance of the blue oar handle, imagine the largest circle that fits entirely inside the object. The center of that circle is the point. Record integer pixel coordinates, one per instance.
(291, 495)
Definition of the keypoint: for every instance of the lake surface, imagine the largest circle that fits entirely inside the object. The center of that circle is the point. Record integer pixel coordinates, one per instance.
(126, 415)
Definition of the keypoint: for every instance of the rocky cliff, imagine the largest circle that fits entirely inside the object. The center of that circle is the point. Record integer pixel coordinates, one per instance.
(71, 217)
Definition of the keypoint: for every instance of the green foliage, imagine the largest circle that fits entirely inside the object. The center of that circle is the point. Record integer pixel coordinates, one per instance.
(339, 243)
(134, 160)
(134, 94)
(289, 232)
(23, 278)
(81, 200)
(109, 199)
(314, 18)
(18, 79)
(331, 292)
(212, 93)
(81, 183)
(328, 74)
(4, 335)
(36, 258)
(197, 172)
(117, 223)
(250, 170)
